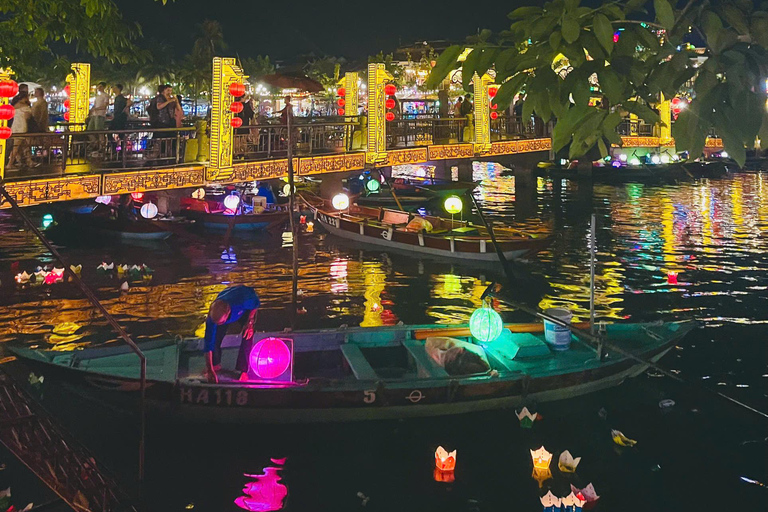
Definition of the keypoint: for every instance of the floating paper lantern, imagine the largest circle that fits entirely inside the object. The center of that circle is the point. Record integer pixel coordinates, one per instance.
(572, 502)
(620, 439)
(236, 107)
(7, 112)
(541, 458)
(587, 494)
(236, 89)
(23, 277)
(453, 205)
(373, 186)
(231, 201)
(567, 463)
(149, 211)
(236, 122)
(526, 417)
(8, 89)
(549, 500)
(340, 201)
(485, 324)
(198, 193)
(104, 199)
(444, 460)
(270, 358)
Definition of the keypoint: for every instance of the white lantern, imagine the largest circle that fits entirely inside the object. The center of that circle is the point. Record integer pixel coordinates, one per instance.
(199, 193)
(104, 199)
(231, 201)
(340, 201)
(148, 210)
(287, 189)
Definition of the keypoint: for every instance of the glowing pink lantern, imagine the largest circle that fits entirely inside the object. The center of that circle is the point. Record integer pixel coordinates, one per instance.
(270, 358)
(672, 277)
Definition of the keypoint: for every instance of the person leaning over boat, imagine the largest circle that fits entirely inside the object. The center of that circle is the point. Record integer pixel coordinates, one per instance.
(235, 305)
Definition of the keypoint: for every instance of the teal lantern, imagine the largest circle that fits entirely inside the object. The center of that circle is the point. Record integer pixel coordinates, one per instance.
(47, 220)
(485, 324)
(373, 186)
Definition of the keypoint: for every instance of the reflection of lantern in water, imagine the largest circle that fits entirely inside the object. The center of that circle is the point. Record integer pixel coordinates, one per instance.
(541, 475)
(270, 358)
(541, 458)
(445, 461)
(444, 476)
(375, 282)
(265, 494)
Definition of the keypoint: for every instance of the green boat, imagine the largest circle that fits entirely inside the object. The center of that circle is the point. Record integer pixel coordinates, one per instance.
(349, 374)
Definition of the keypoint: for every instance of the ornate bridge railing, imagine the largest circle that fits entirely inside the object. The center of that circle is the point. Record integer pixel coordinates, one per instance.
(422, 131)
(260, 142)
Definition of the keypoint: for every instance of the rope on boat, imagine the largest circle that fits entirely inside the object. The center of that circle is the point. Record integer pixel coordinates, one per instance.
(597, 342)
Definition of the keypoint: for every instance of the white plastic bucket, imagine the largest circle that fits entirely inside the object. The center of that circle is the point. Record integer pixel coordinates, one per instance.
(558, 337)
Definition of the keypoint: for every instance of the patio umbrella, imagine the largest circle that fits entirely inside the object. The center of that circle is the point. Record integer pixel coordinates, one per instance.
(31, 85)
(300, 82)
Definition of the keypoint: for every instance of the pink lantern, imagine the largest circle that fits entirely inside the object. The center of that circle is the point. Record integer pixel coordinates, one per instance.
(270, 358)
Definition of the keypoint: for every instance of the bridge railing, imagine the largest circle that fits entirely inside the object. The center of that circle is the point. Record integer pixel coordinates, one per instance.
(259, 142)
(422, 131)
(32, 154)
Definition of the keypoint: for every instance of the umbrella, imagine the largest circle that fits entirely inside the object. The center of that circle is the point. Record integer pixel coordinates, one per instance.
(300, 82)
(31, 86)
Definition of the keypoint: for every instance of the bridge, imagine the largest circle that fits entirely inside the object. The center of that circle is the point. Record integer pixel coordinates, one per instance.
(74, 164)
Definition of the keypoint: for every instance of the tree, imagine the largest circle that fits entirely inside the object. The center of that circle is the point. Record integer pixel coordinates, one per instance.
(635, 62)
(393, 68)
(209, 42)
(30, 30)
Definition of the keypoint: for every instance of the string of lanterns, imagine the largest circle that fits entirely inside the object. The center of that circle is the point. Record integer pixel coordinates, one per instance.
(8, 89)
(236, 89)
(390, 90)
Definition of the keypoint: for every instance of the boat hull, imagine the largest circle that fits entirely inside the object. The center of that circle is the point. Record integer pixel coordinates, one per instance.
(236, 222)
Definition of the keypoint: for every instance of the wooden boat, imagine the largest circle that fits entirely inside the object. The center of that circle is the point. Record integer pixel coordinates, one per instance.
(80, 223)
(386, 199)
(431, 187)
(624, 174)
(246, 221)
(448, 238)
(351, 374)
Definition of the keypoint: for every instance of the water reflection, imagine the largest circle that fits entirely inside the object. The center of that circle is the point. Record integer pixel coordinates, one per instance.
(266, 492)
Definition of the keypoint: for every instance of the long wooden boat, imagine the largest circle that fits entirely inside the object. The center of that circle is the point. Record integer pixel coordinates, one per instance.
(448, 238)
(351, 374)
(246, 221)
(82, 224)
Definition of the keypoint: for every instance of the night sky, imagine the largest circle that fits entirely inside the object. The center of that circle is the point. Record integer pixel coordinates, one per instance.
(286, 29)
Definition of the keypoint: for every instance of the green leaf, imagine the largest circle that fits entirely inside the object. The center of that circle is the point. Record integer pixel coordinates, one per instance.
(642, 111)
(527, 109)
(611, 85)
(468, 68)
(485, 61)
(647, 38)
(565, 126)
(571, 29)
(603, 149)
(732, 143)
(554, 40)
(445, 63)
(664, 13)
(505, 63)
(571, 5)
(524, 12)
(508, 90)
(711, 25)
(736, 18)
(604, 32)
(614, 11)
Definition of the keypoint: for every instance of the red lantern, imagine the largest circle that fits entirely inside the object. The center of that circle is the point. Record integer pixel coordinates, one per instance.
(236, 122)
(6, 112)
(390, 89)
(340, 111)
(494, 115)
(341, 91)
(390, 116)
(494, 106)
(390, 103)
(236, 107)
(341, 102)
(66, 103)
(137, 196)
(492, 91)
(8, 88)
(5, 132)
(236, 89)
(67, 89)
(66, 116)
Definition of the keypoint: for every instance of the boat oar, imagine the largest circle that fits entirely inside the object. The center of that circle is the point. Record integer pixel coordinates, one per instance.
(509, 268)
(386, 180)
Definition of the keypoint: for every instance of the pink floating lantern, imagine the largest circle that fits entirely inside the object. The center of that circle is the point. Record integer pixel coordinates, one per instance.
(672, 277)
(271, 359)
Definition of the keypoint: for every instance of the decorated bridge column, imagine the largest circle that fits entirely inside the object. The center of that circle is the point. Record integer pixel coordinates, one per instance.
(377, 123)
(482, 113)
(227, 84)
(665, 112)
(78, 89)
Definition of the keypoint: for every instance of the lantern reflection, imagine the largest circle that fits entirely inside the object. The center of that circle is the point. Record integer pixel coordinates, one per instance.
(265, 493)
(541, 475)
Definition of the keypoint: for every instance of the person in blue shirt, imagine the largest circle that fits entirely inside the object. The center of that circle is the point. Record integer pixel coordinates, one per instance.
(235, 305)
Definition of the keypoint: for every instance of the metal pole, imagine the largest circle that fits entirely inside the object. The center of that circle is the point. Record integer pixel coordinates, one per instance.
(294, 227)
(95, 301)
(592, 249)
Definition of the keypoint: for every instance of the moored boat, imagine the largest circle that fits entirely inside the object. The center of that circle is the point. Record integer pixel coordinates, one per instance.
(430, 235)
(210, 216)
(81, 223)
(351, 374)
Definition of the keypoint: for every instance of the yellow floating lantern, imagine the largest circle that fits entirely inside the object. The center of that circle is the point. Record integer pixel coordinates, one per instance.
(567, 462)
(620, 439)
(541, 458)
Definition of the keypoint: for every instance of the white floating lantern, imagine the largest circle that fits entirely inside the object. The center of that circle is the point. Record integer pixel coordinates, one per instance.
(620, 439)
(541, 458)
(550, 500)
(526, 417)
(340, 201)
(567, 462)
(231, 201)
(148, 211)
(572, 501)
(587, 494)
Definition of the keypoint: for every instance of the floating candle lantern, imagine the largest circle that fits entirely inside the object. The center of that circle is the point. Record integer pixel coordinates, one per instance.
(445, 461)
(567, 462)
(620, 439)
(541, 458)
(550, 501)
(526, 417)
(572, 503)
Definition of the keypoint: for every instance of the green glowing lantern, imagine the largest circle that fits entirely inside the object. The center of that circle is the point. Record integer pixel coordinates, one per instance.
(47, 220)
(453, 205)
(373, 185)
(485, 324)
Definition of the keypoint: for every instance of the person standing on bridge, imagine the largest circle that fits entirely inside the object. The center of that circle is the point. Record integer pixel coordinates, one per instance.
(97, 117)
(235, 305)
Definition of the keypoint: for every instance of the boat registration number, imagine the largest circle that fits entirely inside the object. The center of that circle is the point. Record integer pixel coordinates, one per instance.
(328, 220)
(205, 396)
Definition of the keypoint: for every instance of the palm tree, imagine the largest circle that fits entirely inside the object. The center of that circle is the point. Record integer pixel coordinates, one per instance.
(210, 40)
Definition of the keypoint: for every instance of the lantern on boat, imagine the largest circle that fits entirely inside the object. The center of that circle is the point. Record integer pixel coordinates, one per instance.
(137, 196)
(541, 458)
(287, 189)
(149, 211)
(47, 220)
(444, 460)
(340, 201)
(104, 199)
(567, 462)
(231, 201)
(198, 193)
(373, 186)
(453, 205)
(271, 359)
(485, 324)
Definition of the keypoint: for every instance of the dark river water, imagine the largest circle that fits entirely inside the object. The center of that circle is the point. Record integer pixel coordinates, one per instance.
(712, 234)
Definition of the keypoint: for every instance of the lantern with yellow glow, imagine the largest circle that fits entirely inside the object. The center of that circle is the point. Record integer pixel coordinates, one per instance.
(340, 201)
(541, 458)
(453, 205)
(567, 462)
(444, 460)
(486, 325)
(620, 439)
(272, 359)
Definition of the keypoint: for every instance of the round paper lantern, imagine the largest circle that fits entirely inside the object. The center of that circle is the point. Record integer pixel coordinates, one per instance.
(390, 103)
(6, 112)
(236, 122)
(66, 116)
(492, 91)
(485, 324)
(5, 132)
(453, 205)
(494, 106)
(341, 102)
(137, 196)
(149, 211)
(47, 220)
(341, 111)
(104, 199)
(231, 201)
(341, 91)
(67, 89)
(270, 358)
(287, 189)
(494, 115)
(236, 107)
(8, 88)
(236, 89)
(199, 193)
(390, 89)
(340, 201)
(66, 103)
(390, 116)
(373, 186)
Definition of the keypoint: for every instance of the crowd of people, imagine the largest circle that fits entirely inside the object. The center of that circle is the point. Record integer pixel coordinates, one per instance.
(30, 116)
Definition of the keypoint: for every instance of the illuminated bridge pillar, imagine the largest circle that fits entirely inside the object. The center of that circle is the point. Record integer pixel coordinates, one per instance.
(228, 77)
(665, 130)
(351, 99)
(482, 113)
(377, 123)
(79, 89)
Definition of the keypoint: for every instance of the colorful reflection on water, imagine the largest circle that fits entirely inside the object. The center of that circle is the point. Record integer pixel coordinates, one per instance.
(265, 492)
